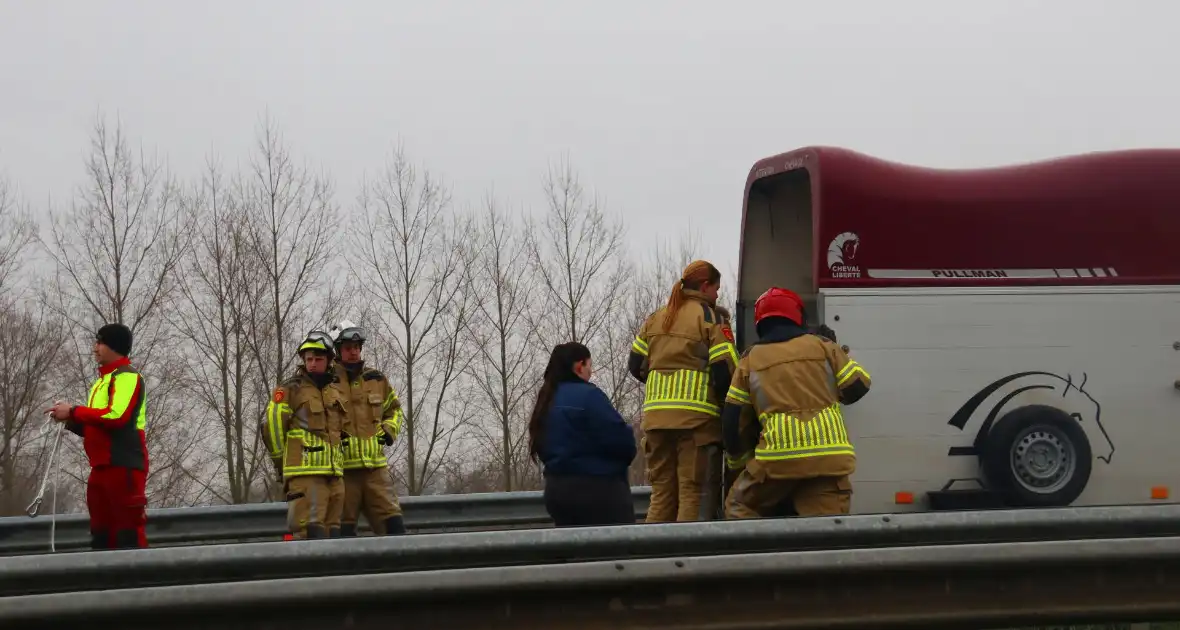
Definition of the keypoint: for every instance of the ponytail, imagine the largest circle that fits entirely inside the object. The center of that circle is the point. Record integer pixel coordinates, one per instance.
(697, 273)
(560, 368)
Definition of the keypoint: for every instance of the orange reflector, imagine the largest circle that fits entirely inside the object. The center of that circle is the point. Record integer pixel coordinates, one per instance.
(1159, 492)
(288, 537)
(903, 497)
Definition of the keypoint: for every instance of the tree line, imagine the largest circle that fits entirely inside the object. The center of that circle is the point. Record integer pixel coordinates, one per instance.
(220, 274)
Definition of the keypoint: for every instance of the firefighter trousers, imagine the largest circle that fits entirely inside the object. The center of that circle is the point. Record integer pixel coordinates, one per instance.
(315, 504)
(683, 465)
(117, 502)
(759, 496)
(370, 490)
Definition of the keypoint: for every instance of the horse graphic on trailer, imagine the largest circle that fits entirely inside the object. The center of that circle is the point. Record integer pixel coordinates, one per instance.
(1018, 321)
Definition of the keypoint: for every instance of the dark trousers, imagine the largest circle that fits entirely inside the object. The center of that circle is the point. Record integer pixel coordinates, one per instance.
(577, 500)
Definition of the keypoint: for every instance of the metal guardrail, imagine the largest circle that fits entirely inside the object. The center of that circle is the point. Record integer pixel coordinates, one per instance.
(253, 521)
(712, 583)
(38, 574)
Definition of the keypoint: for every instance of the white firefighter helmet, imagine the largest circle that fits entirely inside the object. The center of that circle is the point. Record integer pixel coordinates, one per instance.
(347, 331)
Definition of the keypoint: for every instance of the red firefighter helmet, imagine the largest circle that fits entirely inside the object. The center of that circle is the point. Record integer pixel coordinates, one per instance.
(778, 302)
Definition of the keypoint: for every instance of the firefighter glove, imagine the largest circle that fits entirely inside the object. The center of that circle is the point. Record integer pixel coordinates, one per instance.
(823, 330)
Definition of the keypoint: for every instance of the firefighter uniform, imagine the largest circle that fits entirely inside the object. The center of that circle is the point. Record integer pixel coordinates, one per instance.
(795, 382)
(373, 422)
(685, 369)
(732, 466)
(302, 433)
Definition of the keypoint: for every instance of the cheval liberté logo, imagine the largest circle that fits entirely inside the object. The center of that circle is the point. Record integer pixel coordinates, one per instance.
(842, 263)
(842, 255)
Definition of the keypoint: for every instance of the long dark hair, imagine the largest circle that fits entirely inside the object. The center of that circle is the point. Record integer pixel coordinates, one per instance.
(560, 368)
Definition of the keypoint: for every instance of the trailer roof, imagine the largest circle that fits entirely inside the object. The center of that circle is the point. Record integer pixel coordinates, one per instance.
(1098, 218)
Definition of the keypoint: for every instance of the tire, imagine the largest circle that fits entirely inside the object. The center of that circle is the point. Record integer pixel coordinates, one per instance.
(1037, 456)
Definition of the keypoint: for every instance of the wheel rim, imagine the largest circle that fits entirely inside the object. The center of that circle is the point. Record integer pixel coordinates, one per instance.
(1043, 459)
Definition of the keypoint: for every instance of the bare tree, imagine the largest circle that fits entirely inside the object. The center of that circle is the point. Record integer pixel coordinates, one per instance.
(18, 231)
(506, 371)
(456, 404)
(579, 257)
(646, 291)
(581, 263)
(116, 251)
(30, 346)
(407, 252)
(291, 224)
(220, 291)
(30, 343)
(292, 227)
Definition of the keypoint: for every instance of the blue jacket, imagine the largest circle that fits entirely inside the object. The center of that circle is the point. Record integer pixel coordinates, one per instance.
(585, 435)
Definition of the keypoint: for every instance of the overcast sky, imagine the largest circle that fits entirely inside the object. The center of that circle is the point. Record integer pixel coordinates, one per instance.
(662, 106)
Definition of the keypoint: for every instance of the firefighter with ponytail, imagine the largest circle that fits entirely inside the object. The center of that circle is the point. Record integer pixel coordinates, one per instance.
(685, 355)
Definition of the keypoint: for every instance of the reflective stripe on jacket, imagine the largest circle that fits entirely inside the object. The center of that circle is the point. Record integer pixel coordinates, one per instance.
(374, 411)
(796, 382)
(686, 368)
(302, 427)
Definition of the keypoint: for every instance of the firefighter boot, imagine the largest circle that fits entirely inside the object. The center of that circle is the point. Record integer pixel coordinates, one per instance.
(348, 530)
(333, 532)
(316, 530)
(395, 526)
(126, 539)
(99, 541)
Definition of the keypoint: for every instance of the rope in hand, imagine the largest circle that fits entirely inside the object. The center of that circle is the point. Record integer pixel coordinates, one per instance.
(50, 469)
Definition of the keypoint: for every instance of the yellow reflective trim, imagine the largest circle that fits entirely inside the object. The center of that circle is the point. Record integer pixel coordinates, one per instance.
(364, 453)
(124, 383)
(318, 457)
(788, 437)
(850, 370)
(686, 390)
(706, 408)
(275, 413)
(739, 395)
(725, 349)
(852, 374)
(737, 463)
(640, 346)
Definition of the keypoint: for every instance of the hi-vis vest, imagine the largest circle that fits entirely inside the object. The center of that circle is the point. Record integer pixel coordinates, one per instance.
(114, 419)
(123, 381)
(796, 387)
(678, 392)
(373, 411)
(302, 427)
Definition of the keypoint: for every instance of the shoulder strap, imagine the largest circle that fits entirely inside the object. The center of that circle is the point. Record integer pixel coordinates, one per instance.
(708, 313)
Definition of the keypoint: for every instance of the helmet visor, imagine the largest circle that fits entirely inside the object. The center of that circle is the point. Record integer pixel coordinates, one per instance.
(318, 340)
(351, 334)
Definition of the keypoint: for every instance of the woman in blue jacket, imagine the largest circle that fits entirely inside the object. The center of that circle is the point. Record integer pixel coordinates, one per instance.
(583, 444)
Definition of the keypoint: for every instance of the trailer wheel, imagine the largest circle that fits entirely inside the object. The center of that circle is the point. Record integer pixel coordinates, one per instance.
(1037, 456)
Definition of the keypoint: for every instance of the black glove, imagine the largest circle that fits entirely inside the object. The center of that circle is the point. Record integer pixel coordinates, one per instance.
(387, 438)
(826, 332)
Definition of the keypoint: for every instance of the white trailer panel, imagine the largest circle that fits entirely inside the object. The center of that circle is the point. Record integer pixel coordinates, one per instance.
(1107, 354)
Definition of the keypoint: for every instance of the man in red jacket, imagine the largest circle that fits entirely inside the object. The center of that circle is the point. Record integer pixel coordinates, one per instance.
(112, 428)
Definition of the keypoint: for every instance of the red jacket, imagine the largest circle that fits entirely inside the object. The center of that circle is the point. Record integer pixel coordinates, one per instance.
(113, 421)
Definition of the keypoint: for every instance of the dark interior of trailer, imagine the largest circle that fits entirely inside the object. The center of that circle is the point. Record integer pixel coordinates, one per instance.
(777, 247)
